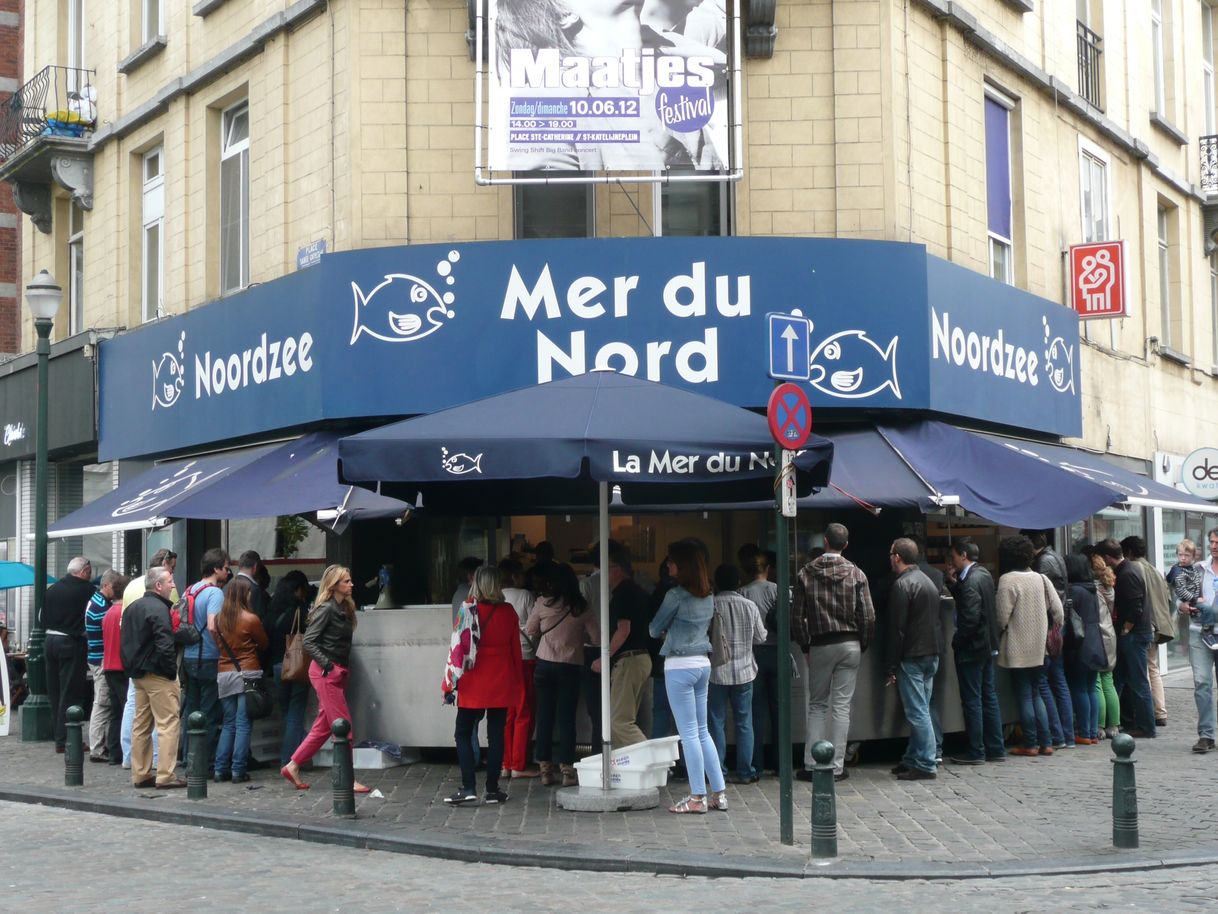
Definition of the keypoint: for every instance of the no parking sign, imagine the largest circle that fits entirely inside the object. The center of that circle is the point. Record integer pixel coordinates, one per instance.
(790, 416)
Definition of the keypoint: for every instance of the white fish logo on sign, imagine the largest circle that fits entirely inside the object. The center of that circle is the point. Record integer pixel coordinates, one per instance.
(852, 366)
(169, 375)
(1059, 362)
(460, 464)
(404, 308)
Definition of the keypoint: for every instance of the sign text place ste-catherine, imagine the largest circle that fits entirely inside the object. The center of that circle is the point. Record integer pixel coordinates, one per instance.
(606, 94)
(409, 330)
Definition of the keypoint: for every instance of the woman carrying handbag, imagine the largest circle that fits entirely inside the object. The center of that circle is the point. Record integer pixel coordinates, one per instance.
(290, 662)
(327, 641)
(240, 636)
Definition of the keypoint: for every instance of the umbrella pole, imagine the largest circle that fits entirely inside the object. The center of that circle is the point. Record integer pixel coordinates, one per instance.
(603, 577)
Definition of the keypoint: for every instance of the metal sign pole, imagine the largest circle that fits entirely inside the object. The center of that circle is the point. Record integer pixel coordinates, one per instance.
(782, 741)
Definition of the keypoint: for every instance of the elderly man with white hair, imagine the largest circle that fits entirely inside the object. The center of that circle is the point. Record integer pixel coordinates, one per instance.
(63, 618)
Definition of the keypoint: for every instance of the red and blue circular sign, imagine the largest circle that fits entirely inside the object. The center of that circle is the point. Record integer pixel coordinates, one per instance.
(790, 416)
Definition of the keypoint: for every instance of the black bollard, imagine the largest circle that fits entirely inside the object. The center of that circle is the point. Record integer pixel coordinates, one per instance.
(197, 753)
(74, 753)
(343, 770)
(824, 801)
(1124, 793)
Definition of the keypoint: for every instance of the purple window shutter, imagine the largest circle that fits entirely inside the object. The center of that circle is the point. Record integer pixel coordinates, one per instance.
(998, 168)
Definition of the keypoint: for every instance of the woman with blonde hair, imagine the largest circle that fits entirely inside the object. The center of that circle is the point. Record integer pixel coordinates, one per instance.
(327, 641)
(1110, 703)
(240, 636)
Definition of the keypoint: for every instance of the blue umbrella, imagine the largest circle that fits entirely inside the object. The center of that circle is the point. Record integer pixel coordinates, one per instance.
(563, 444)
(18, 574)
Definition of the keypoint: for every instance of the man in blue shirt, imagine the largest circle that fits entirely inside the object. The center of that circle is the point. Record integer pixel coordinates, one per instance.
(200, 661)
(103, 704)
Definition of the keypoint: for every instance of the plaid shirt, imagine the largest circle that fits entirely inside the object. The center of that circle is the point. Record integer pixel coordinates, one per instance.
(740, 620)
(831, 599)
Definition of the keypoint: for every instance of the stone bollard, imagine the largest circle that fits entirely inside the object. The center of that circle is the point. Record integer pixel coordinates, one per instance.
(197, 753)
(1124, 793)
(74, 753)
(343, 770)
(824, 801)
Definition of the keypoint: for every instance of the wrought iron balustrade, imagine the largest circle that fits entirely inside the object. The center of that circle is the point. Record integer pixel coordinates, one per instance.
(1090, 47)
(57, 101)
(1209, 164)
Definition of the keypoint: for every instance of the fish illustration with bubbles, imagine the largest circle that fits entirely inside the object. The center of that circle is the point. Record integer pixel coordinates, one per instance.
(404, 308)
(1059, 365)
(168, 377)
(852, 366)
(460, 464)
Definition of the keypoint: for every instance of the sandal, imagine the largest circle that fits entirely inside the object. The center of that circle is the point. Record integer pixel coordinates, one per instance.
(690, 804)
(717, 800)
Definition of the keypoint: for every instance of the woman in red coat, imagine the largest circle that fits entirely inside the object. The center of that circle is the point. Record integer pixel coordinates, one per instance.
(492, 685)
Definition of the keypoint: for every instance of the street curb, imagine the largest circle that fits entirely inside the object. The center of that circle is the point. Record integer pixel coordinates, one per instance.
(567, 856)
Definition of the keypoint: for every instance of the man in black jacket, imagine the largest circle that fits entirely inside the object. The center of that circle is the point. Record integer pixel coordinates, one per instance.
(150, 659)
(1132, 620)
(975, 644)
(915, 641)
(63, 617)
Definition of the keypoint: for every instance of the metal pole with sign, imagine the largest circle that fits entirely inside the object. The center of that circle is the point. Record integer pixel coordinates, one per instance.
(790, 417)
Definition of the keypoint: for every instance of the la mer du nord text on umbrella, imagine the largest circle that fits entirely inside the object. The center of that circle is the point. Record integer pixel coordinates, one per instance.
(668, 464)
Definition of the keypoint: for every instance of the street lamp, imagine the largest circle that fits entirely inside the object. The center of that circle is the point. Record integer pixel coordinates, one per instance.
(44, 297)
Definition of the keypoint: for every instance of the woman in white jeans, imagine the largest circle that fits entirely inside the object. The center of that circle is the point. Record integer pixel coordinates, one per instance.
(684, 621)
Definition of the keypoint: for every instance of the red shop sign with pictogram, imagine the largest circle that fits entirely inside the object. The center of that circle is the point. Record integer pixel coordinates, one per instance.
(1097, 279)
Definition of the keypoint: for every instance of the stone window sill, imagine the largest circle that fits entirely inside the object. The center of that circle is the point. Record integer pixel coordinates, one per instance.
(142, 54)
(1168, 128)
(203, 7)
(1174, 356)
(1023, 6)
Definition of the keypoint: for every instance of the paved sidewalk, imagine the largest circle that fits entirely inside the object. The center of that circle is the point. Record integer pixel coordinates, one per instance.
(1025, 815)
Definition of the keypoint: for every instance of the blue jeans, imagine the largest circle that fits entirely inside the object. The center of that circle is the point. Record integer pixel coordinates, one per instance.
(201, 695)
(1086, 699)
(1131, 673)
(1033, 716)
(979, 701)
(916, 683)
(233, 750)
(1204, 662)
(662, 723)
(1056, 695)
(293, 696)
(687, 698)
(741, 698)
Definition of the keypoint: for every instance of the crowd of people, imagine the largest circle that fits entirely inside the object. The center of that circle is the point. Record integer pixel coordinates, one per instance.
(140, 659)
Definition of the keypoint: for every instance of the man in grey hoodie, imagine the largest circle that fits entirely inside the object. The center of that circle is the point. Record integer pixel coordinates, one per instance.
(833, 603)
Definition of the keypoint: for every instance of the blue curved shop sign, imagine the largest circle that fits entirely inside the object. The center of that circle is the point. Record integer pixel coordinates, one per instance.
(407, 330)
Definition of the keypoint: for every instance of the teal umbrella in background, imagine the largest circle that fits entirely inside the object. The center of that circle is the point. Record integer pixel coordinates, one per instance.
(18, 574)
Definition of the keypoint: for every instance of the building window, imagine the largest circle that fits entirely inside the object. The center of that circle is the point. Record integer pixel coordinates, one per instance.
(1093, 180)
(1214, 310)
(1207, 69)
(76, 44)
(1090, 53)
(234, 198)
(554, 210)
(151, 234)
(694, 208)
(998, 188)
(1156, 50)
(76, 268)
(1171, 334)
(151, 20)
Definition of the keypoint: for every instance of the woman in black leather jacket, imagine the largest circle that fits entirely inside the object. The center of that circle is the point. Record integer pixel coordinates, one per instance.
(1085, 657)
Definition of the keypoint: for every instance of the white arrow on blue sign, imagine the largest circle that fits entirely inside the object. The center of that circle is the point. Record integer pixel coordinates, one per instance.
(790, 347)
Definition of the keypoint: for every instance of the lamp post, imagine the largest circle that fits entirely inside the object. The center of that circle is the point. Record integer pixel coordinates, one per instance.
(44, 297)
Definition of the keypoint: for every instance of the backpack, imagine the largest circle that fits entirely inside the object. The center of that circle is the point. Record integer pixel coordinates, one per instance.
(189, 634)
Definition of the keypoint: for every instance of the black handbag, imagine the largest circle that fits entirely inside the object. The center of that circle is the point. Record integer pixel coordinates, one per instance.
(259, 702)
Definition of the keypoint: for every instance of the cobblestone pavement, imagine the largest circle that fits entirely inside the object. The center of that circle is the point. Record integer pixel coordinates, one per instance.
(146, 869)
(1024, 810)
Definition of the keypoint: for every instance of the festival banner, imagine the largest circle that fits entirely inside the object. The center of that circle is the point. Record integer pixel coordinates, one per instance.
(577, 86)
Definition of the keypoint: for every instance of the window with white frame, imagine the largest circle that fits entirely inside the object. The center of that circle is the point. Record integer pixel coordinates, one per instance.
(1157, 55)
(76, 268)
(76, 43)
(1214, 310)
(153, 14)
(234, 198)
(999, 210)
(152, 257)
(1170, 335)
(1210, 97)
(1093, 182)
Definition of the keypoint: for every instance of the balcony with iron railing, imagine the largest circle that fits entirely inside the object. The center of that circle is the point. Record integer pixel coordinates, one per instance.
(44, 140)
(1090, 47)
(1209, 164)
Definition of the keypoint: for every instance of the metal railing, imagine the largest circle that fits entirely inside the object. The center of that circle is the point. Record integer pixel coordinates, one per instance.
(58, 101)
(1089, 51)
(1209, 164)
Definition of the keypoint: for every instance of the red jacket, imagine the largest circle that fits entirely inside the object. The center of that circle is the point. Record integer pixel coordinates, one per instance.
(497, 678)
(112, 661)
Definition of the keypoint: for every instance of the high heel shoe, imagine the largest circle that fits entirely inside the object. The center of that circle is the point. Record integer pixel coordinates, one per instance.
(291, 779)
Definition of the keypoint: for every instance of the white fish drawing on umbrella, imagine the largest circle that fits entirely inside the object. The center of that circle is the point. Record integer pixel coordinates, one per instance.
(852, 366)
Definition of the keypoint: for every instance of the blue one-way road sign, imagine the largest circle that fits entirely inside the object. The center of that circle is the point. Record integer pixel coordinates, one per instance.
(790, 347)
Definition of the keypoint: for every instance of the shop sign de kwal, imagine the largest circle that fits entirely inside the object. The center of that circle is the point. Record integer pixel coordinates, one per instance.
(1199, 473)
(569, 94)
(402, 331)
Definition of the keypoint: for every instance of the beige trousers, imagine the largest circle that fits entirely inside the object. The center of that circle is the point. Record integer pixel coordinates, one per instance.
(626, 689)
(1157, 698)
(156, 699)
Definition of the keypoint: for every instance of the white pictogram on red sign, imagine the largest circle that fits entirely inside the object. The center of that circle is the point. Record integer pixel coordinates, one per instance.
(1097, 279)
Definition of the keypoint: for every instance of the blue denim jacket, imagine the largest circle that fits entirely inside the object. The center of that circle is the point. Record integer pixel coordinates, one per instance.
(687, 620)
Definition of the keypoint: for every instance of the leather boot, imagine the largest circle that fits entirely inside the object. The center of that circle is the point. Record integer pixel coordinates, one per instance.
(547, 774)
(569, 777)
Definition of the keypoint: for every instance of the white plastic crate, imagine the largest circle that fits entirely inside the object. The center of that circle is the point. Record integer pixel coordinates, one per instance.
(365, 759)
(649, 752)
(633, 777)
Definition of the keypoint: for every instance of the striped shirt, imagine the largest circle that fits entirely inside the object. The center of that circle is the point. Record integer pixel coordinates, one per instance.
(95, 611)
(740, 620)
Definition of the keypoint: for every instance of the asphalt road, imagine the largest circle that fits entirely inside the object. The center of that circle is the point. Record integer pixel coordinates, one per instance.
(54, 860)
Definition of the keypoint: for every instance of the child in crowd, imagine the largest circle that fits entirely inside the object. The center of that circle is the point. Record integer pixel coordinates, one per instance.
(1185, 579)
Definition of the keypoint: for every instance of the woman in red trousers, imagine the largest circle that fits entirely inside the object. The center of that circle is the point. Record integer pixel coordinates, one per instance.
(491, 686)
(328, 641)
(519, 729)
